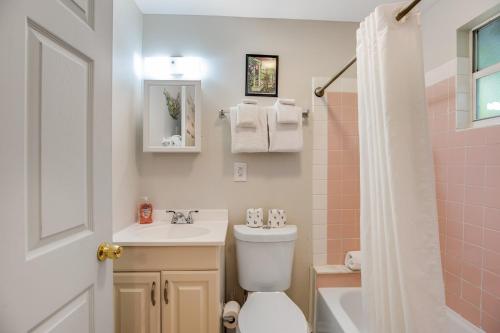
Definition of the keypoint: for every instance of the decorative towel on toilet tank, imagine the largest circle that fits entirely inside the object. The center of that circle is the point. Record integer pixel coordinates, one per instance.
(402, 282)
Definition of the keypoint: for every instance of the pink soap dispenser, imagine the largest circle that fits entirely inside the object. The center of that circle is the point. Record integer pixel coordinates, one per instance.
(145, 211)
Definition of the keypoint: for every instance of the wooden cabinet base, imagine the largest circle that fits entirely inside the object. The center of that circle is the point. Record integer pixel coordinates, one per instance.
(137, 302)
(169, 290)
(191, 303)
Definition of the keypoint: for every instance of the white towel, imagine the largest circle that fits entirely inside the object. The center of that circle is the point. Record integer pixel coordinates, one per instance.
(249, 140)
(255, 217)
(353, 260)
(286, 101)
(287, 113)
(247, 115)
(284, 137)
(248, 101)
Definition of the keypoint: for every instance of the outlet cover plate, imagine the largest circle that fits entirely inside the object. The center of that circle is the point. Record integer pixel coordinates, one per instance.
(240, 172)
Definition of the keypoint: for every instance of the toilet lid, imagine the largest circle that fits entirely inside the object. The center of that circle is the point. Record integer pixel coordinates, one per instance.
(271, 312)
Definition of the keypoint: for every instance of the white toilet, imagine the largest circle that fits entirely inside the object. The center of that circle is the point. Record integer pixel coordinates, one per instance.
(265, 259)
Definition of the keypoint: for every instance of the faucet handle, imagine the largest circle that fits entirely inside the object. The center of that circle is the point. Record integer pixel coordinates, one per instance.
(189, 218)
(175, 216)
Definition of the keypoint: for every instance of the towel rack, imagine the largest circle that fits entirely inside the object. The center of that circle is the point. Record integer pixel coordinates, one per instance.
(223, 113)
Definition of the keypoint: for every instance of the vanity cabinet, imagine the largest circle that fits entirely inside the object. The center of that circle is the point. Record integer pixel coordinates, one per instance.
(137, 302)
(190, 303)
(169, 289)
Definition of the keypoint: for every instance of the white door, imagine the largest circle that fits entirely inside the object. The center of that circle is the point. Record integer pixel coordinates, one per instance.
(55, 165)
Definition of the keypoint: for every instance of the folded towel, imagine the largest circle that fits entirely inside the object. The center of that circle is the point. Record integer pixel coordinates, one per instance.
(286, 101)
(287, 113)
(248, 101)
(249, 140)
(284, 137)
(353, 260)
(247, 115)
(276, 218)
(255, 217)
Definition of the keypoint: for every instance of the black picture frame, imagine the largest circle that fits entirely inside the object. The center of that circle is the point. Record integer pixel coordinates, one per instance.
(264, 89)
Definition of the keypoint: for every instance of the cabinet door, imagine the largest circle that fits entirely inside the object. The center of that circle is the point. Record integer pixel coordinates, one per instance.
(190, 302)
(137, 302)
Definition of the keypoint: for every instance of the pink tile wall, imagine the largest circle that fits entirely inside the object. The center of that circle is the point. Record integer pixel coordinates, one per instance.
(338, 280)
(467, 164)
(343, 176)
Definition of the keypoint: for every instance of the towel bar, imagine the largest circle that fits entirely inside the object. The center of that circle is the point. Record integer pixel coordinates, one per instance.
(223, 113)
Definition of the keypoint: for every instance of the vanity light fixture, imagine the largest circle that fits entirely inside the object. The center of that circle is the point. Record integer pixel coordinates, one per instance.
(164, 68)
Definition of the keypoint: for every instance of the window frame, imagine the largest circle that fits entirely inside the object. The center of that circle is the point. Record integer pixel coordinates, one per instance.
(477, 74)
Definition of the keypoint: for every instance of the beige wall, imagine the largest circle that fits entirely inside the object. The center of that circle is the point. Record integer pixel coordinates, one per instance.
(127, 49)
(306, 49)
(439, 27)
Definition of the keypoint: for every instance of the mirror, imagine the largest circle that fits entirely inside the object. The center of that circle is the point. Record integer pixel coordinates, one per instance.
(172, 116)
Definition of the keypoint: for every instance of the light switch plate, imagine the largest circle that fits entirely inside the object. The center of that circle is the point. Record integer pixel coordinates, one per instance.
(240, 172)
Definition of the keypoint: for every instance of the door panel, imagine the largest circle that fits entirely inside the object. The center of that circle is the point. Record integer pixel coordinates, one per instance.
(59, 143)
(191, 304)
(135, 294)
(70, 317)
(55, 165)
(84, 9)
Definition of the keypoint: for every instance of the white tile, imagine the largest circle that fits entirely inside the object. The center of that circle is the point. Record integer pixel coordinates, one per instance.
(320, 142)
(319, 216)
(320, 126)
(319, 259)
(463, 120)
(320, 113)
(319, 186)
(463, 66)
(319, 231)
(319, 172)
(336, 86)
(319, 101)
(320, 156)
(462, 102)
(319, 201)
(332, 269)
(463, 83)
(319, 246)
(320, 129)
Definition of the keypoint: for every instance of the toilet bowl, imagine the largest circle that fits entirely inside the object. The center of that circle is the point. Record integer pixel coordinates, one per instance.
(271, 312)
(265, 261)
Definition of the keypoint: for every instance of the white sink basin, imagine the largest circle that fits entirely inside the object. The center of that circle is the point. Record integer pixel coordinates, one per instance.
(209, 228)
(172, 231)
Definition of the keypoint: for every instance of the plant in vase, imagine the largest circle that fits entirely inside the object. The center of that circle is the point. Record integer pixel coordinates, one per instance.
(173, 106)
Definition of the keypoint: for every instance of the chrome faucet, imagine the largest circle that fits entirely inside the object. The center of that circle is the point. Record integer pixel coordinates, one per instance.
(180, 218)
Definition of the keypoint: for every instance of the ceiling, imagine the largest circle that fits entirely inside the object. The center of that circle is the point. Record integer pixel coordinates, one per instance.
(330, 10)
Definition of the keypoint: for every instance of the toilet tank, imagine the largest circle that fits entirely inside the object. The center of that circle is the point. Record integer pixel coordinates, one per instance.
(265, 257)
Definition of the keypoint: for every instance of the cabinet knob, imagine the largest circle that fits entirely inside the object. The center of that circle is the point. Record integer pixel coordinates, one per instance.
(108, 251)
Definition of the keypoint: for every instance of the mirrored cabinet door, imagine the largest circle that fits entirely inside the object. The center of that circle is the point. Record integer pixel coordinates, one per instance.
(172, 116)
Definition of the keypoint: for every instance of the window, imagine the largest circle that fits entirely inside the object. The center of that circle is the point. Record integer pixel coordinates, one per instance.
(486, 69)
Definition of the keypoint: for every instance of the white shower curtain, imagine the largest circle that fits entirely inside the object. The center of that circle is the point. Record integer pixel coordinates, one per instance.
(402, 279)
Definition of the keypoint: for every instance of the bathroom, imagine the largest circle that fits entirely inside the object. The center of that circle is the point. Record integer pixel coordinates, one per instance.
(72, 181)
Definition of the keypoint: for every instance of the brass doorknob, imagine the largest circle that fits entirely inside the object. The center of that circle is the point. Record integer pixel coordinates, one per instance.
(108, 251)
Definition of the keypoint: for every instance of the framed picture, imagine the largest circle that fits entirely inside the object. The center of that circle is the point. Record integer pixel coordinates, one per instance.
(261, 75)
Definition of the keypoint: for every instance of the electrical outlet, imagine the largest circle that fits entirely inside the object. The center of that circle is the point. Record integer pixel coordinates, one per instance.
(240, 172)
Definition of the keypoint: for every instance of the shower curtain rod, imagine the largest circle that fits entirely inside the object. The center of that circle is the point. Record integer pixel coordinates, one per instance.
(320, 91)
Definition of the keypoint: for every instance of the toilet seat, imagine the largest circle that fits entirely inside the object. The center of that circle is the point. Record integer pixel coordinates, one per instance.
(271, 312)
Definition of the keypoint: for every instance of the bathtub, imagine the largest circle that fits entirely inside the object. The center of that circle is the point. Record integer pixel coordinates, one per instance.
(339, 310)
